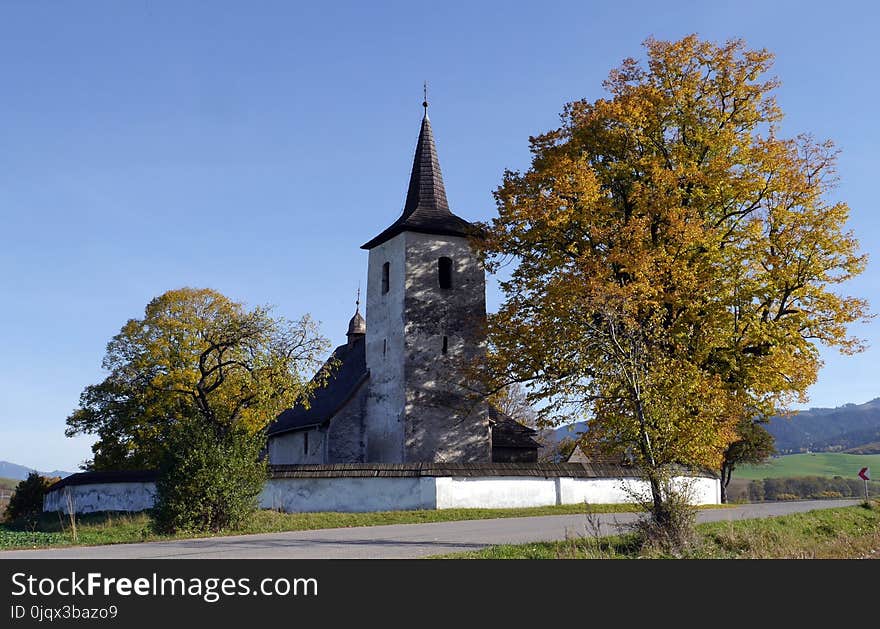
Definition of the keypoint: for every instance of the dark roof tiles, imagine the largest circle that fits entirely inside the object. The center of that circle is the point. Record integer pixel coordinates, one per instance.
(350, 374)
(415, 470)
(110, 476)
(426, 209)
(509, 433)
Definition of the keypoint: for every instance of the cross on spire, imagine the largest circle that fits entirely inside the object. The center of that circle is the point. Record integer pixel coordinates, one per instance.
(425, 102)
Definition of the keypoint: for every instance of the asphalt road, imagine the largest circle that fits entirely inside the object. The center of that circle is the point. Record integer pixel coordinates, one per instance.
(398, 541)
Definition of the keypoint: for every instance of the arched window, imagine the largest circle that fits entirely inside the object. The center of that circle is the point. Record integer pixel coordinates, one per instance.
(444, 269)
(386, 271)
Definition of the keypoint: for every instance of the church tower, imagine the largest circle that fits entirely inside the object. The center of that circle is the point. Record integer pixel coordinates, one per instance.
(426, 307)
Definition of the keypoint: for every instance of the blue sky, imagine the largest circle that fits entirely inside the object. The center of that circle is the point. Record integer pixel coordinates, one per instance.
(253, 147)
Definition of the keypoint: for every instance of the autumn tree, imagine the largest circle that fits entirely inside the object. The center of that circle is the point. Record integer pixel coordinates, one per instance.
(672, 260)
(195, 357)
(753, 445)
(513, 401)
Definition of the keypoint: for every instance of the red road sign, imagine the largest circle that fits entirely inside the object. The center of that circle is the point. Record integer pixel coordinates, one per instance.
(863, 474)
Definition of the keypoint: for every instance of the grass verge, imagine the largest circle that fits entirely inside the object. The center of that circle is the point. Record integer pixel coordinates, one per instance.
(120, 528)
(844, 533)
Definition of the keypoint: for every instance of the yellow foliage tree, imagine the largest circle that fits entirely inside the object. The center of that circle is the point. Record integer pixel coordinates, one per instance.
(673, 260)
(195, 355)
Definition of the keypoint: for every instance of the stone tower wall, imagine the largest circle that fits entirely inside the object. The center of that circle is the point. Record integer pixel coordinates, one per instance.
(385, 354)
(443, 422)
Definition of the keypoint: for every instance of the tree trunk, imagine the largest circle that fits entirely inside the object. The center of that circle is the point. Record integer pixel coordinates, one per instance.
(726, 474)
(658, 512)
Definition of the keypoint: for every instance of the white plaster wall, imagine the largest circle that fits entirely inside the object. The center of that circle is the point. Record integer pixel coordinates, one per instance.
(622, 490)
(394, 494)
(601, 490)
(497, 492)
(702, 491)
(385, 401)
(293, 495)
(102, 497)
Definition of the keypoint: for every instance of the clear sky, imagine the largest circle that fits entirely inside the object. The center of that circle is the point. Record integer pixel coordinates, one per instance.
(252, 147)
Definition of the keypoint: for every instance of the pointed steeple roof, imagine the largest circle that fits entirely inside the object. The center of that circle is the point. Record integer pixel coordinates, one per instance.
(357, 327)
(426, 209)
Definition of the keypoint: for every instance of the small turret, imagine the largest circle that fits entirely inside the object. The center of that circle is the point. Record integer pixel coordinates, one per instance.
(357, 327)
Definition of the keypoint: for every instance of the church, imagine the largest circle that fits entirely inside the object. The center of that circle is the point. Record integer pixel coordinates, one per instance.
(397, 425)
(398, 390)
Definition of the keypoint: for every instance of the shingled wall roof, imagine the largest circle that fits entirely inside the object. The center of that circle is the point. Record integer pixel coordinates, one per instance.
(397, 470)
(509, 433)
(94, 478)
(415, 470)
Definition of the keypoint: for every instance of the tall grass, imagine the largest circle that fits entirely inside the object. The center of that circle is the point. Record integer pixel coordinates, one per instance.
(845, 533)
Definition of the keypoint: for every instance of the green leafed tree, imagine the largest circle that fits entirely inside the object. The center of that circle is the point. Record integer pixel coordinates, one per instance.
(195, 356)
(27, 499)
(673, 260)
(754, 444)
(209, 480)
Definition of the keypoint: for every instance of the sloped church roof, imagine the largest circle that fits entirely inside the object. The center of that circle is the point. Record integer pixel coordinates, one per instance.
(426, 209)
(328, 400)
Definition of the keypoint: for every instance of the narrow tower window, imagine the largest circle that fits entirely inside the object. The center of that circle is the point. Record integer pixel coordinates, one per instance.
(444, 267)
(445, 345)
(306, 443)
(384, 346)
(386, 269)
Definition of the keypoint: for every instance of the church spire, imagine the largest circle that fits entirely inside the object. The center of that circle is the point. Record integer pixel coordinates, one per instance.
(426, 189)
(426, 209)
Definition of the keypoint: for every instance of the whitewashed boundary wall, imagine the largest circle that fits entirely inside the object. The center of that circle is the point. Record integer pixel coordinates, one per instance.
(387, 487)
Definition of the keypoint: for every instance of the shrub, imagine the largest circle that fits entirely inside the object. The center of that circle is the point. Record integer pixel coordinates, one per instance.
(668, 530)
(808, 487)
(756, 491)
(27, 500)
(209, 480)
(788, 497)
(828, 494)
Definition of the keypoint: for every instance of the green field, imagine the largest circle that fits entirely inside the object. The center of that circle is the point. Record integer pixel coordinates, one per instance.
(8, 483)
(817, 464)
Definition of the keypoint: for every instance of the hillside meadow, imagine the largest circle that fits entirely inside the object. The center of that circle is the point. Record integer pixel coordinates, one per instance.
(811, 464)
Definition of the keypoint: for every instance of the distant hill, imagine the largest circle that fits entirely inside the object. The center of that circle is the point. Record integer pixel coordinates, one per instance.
(570, 431)
(854, 428)
(20, 472)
